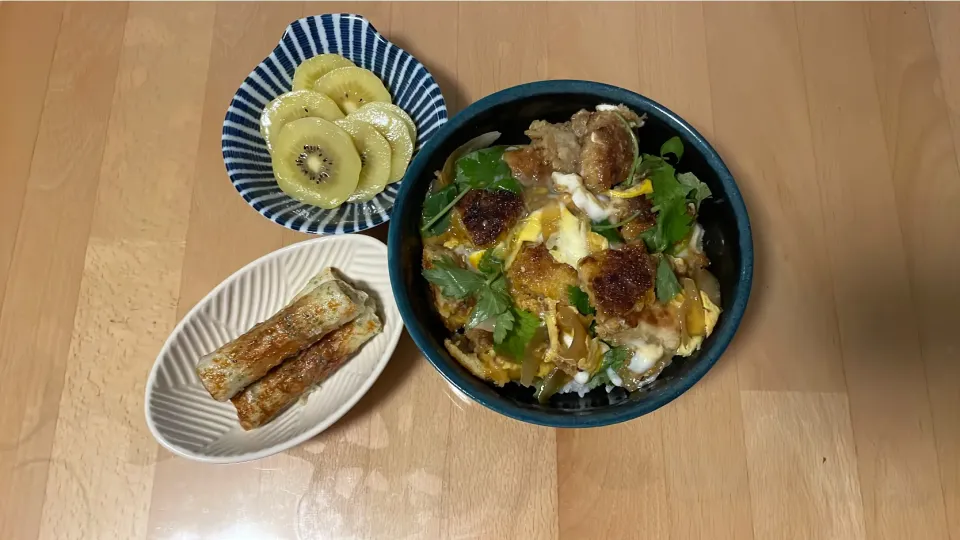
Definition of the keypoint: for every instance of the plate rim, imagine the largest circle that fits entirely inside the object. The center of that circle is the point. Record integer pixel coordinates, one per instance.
(319, 427)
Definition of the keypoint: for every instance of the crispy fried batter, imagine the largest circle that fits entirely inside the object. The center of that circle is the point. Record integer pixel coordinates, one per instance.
(488, 214)
(631, 117)
(528, 165)
(618, 280)
(607, 154)
(558, 143)
(579, 121)
(655, 323)
(627, 208)
(536, 273)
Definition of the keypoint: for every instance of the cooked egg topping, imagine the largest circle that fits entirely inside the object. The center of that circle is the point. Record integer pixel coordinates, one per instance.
(585, 200)
(591, 279)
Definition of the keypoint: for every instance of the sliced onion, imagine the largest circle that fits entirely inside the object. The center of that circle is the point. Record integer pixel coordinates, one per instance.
(531, 364)
(448, 173)
(696, 322)
(682, 319)
(578, 347)
(487, 324)
(707, 283)
(551, 384)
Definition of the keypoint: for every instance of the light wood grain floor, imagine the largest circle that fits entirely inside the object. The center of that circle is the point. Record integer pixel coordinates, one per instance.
(835, 414)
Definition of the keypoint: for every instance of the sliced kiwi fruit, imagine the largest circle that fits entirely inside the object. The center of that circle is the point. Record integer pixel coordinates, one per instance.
(352, 87)
(395, 131)
(399, 113)
(374, 156)
(313, 68)
(315, 162)
(293, 106)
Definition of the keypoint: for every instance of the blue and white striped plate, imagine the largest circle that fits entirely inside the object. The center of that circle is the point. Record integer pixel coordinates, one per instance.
(245, 153)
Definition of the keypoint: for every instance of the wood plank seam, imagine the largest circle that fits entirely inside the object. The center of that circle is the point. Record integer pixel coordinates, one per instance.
(103, 148)
(823, 225)
(33, 149)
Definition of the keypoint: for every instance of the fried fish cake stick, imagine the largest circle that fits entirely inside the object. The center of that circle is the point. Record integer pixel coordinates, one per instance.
(263, 400)
(232, 367)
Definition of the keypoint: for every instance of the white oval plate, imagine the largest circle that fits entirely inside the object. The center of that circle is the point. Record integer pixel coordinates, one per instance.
(188, 422)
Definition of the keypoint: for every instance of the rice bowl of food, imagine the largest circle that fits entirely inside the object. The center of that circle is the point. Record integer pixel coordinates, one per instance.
(570, 254)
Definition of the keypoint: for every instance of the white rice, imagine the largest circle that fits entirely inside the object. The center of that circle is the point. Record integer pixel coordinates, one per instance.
(581, 388)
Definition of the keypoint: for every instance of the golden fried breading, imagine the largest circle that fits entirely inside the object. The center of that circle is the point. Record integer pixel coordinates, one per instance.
(646, 219)
(607, 155)
(536, 273)
(558, 144)
(617, 280)
(528, 165)
(488, 214)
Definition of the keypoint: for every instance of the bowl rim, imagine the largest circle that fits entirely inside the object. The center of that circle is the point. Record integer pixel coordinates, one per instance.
(316, 429)
(379, 216)
(733, 314)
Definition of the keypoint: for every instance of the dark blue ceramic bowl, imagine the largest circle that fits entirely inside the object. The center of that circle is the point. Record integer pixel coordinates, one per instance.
(728, 243)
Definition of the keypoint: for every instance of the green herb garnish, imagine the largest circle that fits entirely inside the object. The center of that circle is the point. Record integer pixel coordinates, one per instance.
(489, 288)
(490, 262)
(580, 300)
(492, 300)
(607, 230)
(436, 210)
(670, 197)
(649, 162)
(517, 334)
(613, 359)
(673, 146)
(666, 283)
(670, 201)
(485, 169)
(480, 169)
(698, 190)
(454, 281)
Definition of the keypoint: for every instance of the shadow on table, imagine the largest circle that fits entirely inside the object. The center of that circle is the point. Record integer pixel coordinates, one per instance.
(886, 311)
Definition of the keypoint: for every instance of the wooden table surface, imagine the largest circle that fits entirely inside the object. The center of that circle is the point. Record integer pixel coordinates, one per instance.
(834, 414)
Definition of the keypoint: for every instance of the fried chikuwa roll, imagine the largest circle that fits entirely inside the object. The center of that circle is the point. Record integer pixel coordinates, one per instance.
(313, 314)
(263, 400)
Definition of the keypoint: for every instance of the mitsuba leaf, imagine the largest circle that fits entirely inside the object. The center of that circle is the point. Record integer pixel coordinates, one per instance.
(490, 263)
(698, 190)
(433, 205)
(580, 300)
(485, 169)
(673, 146)
(666, 282)
(669, 198)
(491, 302)
(607, 230)
(502, 325)
(613, 359)
(454, 281)
(514, 343)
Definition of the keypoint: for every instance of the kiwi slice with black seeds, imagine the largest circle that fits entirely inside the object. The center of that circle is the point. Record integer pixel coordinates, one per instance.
(307, 73)
(293, 106)
(316, 162)
(352, 87)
